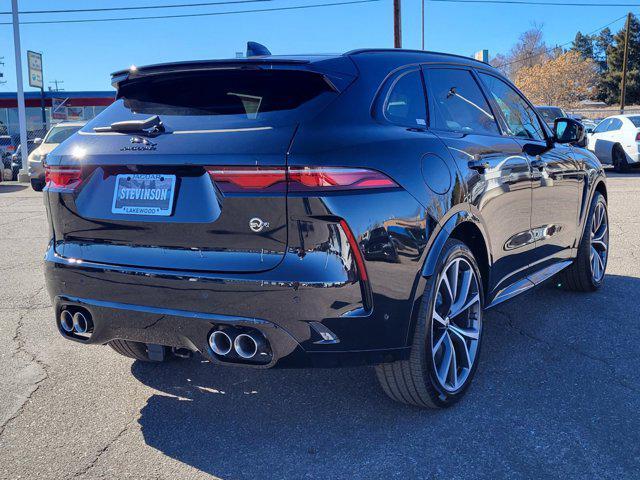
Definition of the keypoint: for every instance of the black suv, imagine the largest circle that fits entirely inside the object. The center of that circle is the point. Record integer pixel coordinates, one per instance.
(363, 208)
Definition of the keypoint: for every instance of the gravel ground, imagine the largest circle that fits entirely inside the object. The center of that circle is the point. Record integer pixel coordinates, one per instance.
(557, 393)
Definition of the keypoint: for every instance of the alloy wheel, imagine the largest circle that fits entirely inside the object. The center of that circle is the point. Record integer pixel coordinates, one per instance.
(599, 242)
(456, 324)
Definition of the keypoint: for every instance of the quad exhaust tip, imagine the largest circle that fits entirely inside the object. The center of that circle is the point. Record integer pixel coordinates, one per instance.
(78, 322)
(66, 321)
(220, 342)
(245, 346)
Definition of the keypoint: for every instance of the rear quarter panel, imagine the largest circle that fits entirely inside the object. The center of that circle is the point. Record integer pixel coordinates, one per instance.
(347, 135)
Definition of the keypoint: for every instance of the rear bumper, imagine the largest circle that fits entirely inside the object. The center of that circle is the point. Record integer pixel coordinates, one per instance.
(181, 309)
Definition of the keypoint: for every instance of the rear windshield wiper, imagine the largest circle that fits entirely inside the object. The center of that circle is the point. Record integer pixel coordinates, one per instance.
(152, 125)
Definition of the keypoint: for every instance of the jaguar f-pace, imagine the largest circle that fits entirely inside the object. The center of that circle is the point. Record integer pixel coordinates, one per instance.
(298, 211)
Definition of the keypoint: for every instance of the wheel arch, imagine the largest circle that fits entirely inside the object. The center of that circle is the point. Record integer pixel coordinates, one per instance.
(467, 228)
(601, 187)
(597, 185)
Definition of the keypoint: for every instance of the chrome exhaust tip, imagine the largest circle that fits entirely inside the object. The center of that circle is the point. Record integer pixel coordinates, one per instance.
(220, 342)
(66, 321)
(246, 346)
(81, 323)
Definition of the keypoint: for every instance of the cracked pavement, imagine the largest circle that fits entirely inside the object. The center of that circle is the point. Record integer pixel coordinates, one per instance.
(556, 395)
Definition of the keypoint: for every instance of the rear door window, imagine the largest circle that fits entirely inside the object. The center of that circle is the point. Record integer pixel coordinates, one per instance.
(520, 118)
(616, 124)
(405, 104)
(635, 120)
(457, 104)
(603, 126)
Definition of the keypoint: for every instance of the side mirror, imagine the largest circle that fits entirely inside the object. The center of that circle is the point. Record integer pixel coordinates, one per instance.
(568, 130)
(37, 141)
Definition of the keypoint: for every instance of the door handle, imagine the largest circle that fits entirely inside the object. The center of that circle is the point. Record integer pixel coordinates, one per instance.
(478, 164)
(539, 163)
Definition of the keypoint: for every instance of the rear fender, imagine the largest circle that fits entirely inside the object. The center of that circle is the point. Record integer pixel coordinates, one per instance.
(434, 251)
(444, 234)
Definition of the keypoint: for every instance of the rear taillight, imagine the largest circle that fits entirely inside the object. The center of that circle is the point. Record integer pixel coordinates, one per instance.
(330, 178)
(638, 137)
(62, 178)
(239, 179)
(298, 179)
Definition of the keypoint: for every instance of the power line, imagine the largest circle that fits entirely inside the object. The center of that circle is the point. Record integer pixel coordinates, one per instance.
(548, 50)
(145, 7)
(186, 15)
(540, 3)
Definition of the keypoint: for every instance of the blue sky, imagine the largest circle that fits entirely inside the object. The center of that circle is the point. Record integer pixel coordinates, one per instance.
(83, 55)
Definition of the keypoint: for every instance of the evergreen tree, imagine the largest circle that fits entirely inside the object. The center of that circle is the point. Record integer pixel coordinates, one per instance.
(584, 45)
(609, 86)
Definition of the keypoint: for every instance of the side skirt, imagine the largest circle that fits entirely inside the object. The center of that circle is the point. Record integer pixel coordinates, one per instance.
(530, 281)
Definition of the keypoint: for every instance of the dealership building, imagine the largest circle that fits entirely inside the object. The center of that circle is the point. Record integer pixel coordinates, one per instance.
(58, 106)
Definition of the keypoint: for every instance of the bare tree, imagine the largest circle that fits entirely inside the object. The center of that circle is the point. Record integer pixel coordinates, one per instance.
(529, 50)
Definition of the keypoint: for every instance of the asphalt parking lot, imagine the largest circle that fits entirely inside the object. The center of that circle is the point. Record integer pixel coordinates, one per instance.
(557, 393)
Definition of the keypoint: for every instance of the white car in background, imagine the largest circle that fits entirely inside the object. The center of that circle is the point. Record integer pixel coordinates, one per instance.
(616, 141)
(54, 137)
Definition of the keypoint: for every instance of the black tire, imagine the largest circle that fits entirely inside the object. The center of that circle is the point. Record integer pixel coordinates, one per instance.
(37, 185)
(620, 163)
(135, 350)
(579, 276)
(415, 381)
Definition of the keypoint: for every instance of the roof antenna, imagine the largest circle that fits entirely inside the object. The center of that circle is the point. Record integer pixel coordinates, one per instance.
(255, 49)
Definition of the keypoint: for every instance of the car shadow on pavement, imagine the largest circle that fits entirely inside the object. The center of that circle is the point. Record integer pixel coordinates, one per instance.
(337, 423)
(11, 188)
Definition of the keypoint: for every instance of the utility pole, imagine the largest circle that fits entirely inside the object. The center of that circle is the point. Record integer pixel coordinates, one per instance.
(422, 1)
(625, 61)
(397, 24)
(56, 83)
(22, 113)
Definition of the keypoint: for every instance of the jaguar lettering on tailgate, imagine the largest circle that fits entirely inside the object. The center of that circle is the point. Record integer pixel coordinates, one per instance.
(144, 194)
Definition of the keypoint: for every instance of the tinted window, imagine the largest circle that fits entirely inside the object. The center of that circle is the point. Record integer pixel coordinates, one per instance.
(405, 103)
(5, 141)
(457, 103)
(616, 124)
(60, 134)
(520, 118)
(602, 126)
(220, 99)
(635, 120)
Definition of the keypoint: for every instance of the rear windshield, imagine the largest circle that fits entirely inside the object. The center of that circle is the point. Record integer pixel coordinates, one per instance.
(4, 141)
(60, 134)
(549, 114)
(228, 98)
(636, 120)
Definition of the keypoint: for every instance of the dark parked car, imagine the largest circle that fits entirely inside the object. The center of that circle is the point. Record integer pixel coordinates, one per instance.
(550, 113)
(7, 147)
(16, 158)
(227, 207)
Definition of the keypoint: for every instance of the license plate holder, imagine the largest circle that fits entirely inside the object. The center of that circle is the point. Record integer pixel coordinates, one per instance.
(144, 194)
